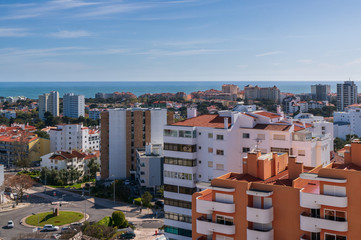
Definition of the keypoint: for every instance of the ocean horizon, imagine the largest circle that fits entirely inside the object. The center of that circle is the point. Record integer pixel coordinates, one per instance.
(33, 89)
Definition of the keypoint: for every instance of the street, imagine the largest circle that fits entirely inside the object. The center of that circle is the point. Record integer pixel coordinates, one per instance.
(96, 209)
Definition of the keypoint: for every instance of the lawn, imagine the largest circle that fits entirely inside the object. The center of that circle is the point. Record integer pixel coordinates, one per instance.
(64, 217)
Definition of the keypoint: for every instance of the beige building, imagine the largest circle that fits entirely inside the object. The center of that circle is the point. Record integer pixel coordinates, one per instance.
(49, 102)
(269, 93)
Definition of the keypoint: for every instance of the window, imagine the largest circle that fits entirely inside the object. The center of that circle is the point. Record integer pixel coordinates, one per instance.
(177, 203)
(329, 236)
(245, 135)
(245, 150)
(220, 166)
(178, 231)
(210, 164)
(220, 152)
(210, 135)
(185, 134)
(224, 220)
(301, 153)
(210, 150)
(224, 198)
(323, 128)
(180, 161)
(334, 190)
(279, 137)
(170, 133)
(199, 133)
(179, 147)
(315, 236)
(219, 137)
(261, 136)
(335, 215)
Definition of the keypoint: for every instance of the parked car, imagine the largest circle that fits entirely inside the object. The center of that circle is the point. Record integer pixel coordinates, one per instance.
(76, 224)
(127, 182)
(10, 224)
(127, 235)
(49, 228)
(66, 228)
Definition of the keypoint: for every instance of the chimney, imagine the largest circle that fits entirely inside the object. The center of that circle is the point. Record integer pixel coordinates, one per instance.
(225, 123)
(191, 112)
(294, 168)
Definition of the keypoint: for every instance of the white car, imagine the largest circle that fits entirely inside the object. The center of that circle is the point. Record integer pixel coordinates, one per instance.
(10, 224)
(49, 227)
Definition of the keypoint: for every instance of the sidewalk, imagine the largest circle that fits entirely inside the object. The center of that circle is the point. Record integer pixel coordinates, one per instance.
(9, 207)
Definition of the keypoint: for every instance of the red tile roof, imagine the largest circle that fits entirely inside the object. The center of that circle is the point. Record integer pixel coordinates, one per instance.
(267, 114)
(207, 120)
(272, 127)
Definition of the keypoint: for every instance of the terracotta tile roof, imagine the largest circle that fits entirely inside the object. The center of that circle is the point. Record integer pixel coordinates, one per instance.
(280, 179)
(62, 155)
(267, 114)
(207, 120)
(272, 127)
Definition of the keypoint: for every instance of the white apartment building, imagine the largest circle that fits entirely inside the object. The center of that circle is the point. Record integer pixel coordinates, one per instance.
(73, 105)
(94, 114)
(122, 132)
(201, 148)
(347, 122)
(74, 136)
(68, 159)
(49, 102)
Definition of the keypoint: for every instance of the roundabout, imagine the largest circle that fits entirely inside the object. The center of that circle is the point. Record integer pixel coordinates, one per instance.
(63, 218)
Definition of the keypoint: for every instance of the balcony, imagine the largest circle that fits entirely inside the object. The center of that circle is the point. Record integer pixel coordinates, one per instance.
(259, 215)
(208, 206)
(311, 200)
(259, 234)
(312, 224)
(207, 227)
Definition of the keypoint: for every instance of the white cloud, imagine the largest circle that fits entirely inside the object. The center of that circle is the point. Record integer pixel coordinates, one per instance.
(305, 61)
(268, 53)
(70, 34)
(190, 52)
(13, 32)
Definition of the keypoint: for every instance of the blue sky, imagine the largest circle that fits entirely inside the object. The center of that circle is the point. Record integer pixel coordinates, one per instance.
(179, 40)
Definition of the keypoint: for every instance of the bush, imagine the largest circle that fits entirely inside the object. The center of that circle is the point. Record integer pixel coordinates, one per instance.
(146, 198)
(106, 221)
(119, 219)
(60, 182)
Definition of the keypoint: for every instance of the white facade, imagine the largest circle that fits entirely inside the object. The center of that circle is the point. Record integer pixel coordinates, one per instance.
(149, 166)
(73, 136)
(49, 102)
(73, 105)
(348, 122)
(346, 95)
(208, 152)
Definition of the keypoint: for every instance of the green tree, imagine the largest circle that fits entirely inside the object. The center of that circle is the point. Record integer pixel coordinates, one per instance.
(42, 134)
(93, 167)
(49, 119)
(147, 198)
(119, 220)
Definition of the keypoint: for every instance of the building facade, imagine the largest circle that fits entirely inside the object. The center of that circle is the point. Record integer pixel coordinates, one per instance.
(347, 122)
(207, 146)
(49, 102)
(269, 93)
(320, 92)
(73, 105)
(74, 136)
(125, 130)
(346, 95)
(150, 166)
(269, 201)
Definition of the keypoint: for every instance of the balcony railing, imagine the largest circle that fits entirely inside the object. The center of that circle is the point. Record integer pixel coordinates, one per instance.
(207, 227)
(207, 207)
(259, 215)
(312, 224)
(259, 234)
(311, 200)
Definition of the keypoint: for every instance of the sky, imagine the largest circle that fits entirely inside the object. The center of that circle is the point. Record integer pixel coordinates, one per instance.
(180, 40)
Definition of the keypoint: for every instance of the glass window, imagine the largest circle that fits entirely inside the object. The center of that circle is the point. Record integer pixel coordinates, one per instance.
(210, 135)
(219, 137)
(220, 152)
(245, 150)
(279, 137)
(220, 166)
(261, 136)
(245, 135)
(210, 150)
(210, 164)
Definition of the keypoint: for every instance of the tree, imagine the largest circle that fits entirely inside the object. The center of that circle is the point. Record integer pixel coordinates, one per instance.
(42, 134)
(119, 220)
(49, 119)
(93, 167)
(20, 183)
(146, 198)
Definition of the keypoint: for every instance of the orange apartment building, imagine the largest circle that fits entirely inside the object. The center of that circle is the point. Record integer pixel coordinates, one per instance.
(278, 198)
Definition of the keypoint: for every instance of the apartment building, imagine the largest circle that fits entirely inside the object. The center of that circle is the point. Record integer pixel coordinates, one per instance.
(150, 166)
(14, 138)
(49, 102)
(125, 130)
(72, 159)
(269, 93)
(277, 197)
(204, 147)
(73, 105)
(320, 92)
(94, 114)
(346, 95)
(347, 122)
(74, 136)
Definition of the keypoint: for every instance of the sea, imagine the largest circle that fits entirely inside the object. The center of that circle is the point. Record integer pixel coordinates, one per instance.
(33, 89)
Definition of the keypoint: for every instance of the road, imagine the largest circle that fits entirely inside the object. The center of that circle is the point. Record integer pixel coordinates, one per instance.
(96, 209)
